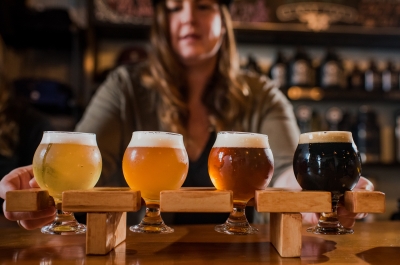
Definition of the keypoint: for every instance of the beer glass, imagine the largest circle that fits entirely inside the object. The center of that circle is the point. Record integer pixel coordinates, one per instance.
(154, 161)
(66, 161)
(327, 161)
(242, 163)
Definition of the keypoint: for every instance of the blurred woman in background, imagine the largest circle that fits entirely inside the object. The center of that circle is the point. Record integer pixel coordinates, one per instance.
(192, 85)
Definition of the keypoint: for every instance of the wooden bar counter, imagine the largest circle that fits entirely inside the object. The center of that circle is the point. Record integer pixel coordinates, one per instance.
(372, 243)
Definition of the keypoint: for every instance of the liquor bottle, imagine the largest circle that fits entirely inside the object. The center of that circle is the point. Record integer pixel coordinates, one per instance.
(334, 116)
(390, 78)
(356, 79)
(367, 136)
(372, 78)
(308, 119)
(396, 215)
(332, 72)
(279, 72)
(252, 64)
(346, 124)
(397, 135)
(300, 69)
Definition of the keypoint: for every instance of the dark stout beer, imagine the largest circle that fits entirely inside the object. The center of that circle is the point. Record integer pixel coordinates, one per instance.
(327, 161)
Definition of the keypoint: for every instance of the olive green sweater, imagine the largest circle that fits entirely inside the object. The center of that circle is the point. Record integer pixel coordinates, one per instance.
(121, 105)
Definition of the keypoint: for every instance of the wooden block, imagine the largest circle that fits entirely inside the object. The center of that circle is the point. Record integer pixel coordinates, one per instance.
(28, 200)
(361, 201)
(274, 200)
(102, 200)
(196, 200)
(104, 232)
(285, 231)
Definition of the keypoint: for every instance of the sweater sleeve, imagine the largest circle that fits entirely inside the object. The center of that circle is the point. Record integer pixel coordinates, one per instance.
(274, 116)
(104, 116)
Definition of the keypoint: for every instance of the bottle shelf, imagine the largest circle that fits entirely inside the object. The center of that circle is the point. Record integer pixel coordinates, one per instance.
(351, 95)
(299, 34)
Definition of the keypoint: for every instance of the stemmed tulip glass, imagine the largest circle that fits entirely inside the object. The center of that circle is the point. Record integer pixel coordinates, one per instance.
(327, 161)
(154, 161)
(66, 161)
(243, 163)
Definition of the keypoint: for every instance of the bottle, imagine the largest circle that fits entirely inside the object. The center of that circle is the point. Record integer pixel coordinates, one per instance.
(346, 124)
(334, 116)
(372, 78)
(390, 78)
(252, 64)
(356, 79)
(367, 136)
(300, 69)
(332, 72)
(308, 119)
(278, 71)
(396, 215)
(397, 135)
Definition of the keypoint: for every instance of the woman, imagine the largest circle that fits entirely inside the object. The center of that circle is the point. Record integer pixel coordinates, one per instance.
(192, 85)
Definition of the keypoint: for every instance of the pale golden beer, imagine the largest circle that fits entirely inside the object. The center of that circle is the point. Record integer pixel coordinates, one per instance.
(67, 161)
(243, 163)
(153, 162)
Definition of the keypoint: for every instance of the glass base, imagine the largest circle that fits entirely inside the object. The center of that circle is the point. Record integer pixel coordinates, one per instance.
(64, 224)
(328, 223)
(236, 229)
(152, 223)
(151, 229)
(330, 230)
(237, 223)
(64, 229)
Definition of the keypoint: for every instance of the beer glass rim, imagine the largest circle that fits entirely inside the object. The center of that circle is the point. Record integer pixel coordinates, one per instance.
(67, 132)
(156, 139)
(241, 139)
(326, 137)
(237, 132)
(80, 138)
(157, 132)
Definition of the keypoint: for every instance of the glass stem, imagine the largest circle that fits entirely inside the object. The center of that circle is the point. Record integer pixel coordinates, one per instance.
(238, 213)
(63, 217)
(331, 219)
(152, 216)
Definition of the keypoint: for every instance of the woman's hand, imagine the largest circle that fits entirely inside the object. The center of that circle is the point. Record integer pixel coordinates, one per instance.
(19, 179)
(346, 218)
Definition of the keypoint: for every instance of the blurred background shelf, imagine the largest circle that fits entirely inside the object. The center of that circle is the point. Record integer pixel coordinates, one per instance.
(335, 36)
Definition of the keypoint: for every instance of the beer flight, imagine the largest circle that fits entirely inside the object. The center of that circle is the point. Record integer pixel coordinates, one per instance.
(238, 161)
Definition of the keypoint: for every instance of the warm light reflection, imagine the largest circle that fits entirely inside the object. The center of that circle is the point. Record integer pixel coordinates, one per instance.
(296, 93)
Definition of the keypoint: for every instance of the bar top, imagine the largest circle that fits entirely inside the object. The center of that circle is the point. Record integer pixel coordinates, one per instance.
(372, 243)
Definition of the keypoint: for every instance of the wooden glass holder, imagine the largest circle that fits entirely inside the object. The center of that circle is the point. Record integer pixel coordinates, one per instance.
(106, 210)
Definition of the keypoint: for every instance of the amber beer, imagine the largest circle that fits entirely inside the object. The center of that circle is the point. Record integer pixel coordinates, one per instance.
(241, 162)
(67, 161)
(155, 161)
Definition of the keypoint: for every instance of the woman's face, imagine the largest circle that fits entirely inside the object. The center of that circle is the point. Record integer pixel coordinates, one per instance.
(196, 29)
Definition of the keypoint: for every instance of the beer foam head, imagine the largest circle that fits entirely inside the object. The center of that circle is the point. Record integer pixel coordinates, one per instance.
(326, 137)
(69, 137)
(241, 139)
(156, 139)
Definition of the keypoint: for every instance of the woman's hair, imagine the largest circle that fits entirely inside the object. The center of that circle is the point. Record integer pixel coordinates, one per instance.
(9, 129)
(226, 96)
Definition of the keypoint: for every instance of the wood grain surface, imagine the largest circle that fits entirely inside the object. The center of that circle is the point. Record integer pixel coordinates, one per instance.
(372, 243)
